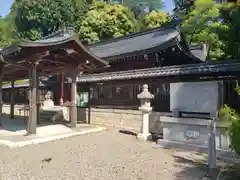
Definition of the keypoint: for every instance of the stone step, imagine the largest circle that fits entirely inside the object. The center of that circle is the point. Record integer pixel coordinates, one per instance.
(50, 116)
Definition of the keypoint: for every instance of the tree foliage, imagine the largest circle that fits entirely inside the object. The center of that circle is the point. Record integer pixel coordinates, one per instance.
(231, 36)
(232, 118)
(8, 33)
(203, 24)
(142, 7)
(183, 7)
(36, 18)
(155, 19)
(105, 21)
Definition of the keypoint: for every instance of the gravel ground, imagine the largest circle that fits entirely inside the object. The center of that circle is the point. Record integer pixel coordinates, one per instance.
(107, 155)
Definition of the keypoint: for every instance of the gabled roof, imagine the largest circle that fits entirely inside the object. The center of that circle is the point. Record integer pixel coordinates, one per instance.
(137, 42)
(53, 55)
(51, 42)
(141, 43)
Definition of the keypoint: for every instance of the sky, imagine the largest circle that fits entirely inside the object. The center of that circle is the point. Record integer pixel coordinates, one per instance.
(5, 7)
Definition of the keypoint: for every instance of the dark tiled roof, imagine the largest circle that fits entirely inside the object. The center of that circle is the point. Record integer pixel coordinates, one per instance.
(136, 42)
(193, 69)
(170, 71)
(51, 41)
(133, 44)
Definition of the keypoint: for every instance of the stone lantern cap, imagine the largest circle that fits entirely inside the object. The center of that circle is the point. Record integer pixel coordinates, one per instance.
(145, 94)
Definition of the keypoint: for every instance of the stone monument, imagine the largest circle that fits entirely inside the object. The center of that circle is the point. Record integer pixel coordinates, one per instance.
(145, 96)
(51, 112)
(48, 102)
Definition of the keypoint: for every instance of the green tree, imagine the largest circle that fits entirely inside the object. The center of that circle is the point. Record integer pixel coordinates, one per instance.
(8, 34)
(231, 36)
(155, 19)
(105, 21)
(203, 24)
(183, 7)
(36, 18)
(140, 8)
(231, 118)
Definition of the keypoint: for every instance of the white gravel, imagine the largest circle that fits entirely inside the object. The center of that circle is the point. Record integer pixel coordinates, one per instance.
(106, 155)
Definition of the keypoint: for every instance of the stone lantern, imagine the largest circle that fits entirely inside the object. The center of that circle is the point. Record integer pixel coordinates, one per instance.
(145, 96)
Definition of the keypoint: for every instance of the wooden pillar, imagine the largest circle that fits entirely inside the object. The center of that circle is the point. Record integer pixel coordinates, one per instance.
(12, 100)
(1, 103)
(29, 101)
(62, 89)
(73, 110)
(32, 122)
(38, 99)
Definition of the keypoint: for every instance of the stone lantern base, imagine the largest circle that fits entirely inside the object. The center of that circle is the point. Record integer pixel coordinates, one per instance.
(145, 108)
(145, 137)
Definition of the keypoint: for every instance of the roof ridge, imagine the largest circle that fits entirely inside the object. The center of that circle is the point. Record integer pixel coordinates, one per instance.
(132, 35)
(59, 33)
(54, 34)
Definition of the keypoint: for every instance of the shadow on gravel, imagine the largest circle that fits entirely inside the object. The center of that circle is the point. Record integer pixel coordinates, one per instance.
(128, 132)
(199, 170)
(231, 173)
(193, 170)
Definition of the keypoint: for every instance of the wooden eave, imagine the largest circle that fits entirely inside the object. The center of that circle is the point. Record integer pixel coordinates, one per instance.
(228, 69)
(52, 55)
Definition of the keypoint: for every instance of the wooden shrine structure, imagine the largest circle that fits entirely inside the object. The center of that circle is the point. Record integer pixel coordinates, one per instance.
(47, 56)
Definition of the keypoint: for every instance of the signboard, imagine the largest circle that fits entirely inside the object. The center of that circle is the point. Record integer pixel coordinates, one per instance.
(82, 99)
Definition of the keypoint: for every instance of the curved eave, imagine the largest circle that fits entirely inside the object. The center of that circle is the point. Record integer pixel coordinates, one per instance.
(188, 53)
(2, 60)
(9, 50)
(88, 51)
(51, 43)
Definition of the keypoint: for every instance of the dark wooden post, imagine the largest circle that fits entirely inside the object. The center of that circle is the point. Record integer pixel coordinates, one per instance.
(1, 103)
(12, 100)
(62, 89)
(32, 122)
(29, 101)
(38, 99)
(73, 114)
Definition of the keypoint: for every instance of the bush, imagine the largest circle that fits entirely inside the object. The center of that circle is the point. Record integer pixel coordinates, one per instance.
(232, 118)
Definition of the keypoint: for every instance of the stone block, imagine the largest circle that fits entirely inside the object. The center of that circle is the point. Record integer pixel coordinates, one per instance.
(192, 131)
(202, 97)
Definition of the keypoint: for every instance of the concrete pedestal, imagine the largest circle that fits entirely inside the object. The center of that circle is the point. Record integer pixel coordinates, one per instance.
(145, 137)
(48, 103)
(144, 134)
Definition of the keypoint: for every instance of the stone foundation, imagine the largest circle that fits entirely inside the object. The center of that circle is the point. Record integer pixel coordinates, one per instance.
(192, 131)
(126, 119)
